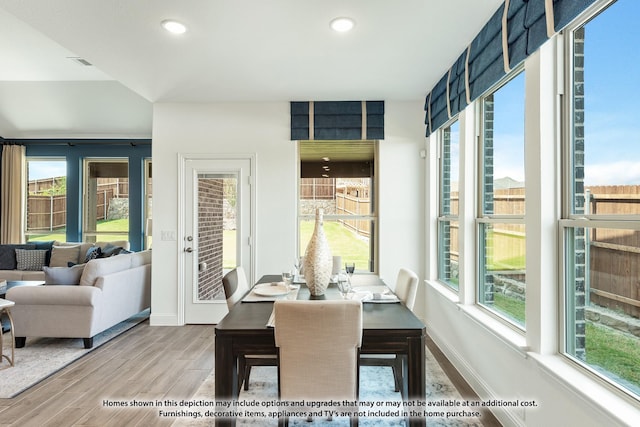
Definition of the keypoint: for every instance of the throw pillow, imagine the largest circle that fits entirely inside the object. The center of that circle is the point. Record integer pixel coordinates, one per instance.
(30, 259)
(110, 250)
(61, 255)
(63, 275)
(8, 255)
(46, 245)
(93, 253)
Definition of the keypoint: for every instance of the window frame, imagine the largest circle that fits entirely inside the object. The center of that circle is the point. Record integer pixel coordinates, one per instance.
(572, 220)
(446, 218)
(372, 216)
(482, 218)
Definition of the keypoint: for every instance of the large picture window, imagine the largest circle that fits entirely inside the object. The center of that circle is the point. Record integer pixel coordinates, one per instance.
(339, 177)
(501, 230)
(46, 216)
(106, 200)
(601, 227)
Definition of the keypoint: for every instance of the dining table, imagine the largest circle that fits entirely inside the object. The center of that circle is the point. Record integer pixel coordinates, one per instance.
(388, 328)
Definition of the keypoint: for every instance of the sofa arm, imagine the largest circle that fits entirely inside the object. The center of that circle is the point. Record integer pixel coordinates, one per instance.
(55, 295)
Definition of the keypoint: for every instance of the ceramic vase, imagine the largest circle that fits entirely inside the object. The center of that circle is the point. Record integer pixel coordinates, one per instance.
(318, 261)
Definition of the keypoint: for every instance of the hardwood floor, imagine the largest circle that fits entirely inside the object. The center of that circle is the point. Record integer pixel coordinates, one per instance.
(145, 364)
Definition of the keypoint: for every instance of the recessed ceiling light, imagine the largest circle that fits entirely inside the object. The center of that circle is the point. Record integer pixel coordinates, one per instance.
(342, 24)
(174, 27)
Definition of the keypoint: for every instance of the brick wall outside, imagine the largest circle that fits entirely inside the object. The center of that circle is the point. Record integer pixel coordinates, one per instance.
(210, 229)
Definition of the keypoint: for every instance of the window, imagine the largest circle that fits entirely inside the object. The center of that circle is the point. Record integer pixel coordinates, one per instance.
(601, 209)
(46, 199)
(106, 200)
(501, 229)
(448, 223)
(339, 177)
(148, 197)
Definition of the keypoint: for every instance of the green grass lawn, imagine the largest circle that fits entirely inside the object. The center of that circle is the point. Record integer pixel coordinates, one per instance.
(114, 225)
(342, 241)
(609, 349)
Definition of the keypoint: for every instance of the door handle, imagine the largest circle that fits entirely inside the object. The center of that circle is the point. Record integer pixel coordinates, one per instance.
(188, 250)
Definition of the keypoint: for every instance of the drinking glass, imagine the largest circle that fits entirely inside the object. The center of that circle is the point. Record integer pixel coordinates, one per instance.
(350, 268)
(344, 285)
(287, 278)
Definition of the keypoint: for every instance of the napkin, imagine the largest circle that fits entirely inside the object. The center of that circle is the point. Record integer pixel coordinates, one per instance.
(377, 297)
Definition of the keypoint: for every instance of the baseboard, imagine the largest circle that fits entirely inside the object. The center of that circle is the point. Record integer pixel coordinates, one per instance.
(506, 417)
(163, 319)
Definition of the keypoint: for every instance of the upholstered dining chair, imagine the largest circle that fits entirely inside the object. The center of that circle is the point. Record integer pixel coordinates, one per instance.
(235, 286)
(318, 347)
(406, 289)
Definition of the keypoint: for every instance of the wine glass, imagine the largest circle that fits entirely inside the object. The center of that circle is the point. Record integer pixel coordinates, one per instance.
(350, 268)
(297, 263)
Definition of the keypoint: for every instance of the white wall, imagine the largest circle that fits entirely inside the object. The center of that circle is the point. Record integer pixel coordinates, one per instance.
(263, 129)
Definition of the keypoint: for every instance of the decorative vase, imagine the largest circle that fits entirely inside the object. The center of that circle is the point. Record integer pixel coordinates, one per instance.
(318, 261)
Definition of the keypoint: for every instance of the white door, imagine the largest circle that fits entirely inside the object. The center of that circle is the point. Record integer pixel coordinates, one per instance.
(217, 213)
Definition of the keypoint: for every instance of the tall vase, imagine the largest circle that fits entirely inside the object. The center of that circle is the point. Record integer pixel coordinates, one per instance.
(318, 261)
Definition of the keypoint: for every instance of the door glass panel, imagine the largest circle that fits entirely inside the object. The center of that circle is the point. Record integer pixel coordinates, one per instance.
(217, 237)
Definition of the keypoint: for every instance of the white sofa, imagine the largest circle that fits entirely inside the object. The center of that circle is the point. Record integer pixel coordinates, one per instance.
(110, 290)
(60, 254)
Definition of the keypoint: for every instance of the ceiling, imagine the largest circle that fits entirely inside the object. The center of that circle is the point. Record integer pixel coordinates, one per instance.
(233, 51)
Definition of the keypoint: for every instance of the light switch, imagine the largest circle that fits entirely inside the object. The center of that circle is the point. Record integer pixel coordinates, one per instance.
(168, 235)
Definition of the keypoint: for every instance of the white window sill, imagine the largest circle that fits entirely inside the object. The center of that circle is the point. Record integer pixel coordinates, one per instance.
(514, 339)
(610, 401)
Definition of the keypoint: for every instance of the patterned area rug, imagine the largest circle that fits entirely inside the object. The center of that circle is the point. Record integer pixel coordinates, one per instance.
(376, 384)
(42, 357)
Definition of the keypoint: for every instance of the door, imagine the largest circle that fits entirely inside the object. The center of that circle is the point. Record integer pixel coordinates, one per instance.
(217, 234)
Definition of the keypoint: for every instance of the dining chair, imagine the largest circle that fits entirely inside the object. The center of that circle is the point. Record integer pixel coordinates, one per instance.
(406, 290)
(318, 347)
(236, 286)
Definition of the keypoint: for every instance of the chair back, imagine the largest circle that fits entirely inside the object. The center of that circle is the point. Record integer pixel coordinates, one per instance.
(318, 344)
(407, 287)
(235, 286)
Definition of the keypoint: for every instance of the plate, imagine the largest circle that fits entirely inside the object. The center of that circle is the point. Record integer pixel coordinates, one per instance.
(271, 289)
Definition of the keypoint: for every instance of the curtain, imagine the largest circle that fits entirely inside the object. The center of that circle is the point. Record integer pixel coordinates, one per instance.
(515, 31)
(337, 120)
(12, 196)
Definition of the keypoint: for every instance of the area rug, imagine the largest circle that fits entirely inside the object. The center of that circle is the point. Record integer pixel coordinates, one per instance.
(42, 357)
(376, 385)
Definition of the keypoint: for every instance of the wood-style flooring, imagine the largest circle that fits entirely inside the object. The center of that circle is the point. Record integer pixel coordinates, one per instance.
(145, 364)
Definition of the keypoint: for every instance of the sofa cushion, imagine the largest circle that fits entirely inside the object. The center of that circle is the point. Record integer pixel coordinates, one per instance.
(61, 256)
(30, 259)
(46, 245)
(8, 255)
(140, 258)
(103, 266)
(111, 250)
(63, 275)
(93, 253)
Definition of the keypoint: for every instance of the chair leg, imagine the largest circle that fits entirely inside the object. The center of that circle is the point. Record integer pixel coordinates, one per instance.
(247, 374)
(283, 422)
(397, 373)
(242, 367)
(353, 421)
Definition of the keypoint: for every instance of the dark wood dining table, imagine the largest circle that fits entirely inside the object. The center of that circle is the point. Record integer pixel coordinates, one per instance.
(388, 328)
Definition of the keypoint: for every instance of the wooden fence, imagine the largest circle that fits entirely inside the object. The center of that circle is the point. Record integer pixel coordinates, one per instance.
(47, 213)
(614, 254)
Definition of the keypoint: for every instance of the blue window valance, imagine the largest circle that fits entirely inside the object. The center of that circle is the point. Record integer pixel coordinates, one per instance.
(515, 31)
(337, 120)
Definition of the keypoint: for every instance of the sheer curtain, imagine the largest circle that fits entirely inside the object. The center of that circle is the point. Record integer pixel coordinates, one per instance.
(12, 193)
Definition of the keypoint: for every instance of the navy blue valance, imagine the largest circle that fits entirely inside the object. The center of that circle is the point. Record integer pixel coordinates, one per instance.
(515, 31)
(337, 120)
